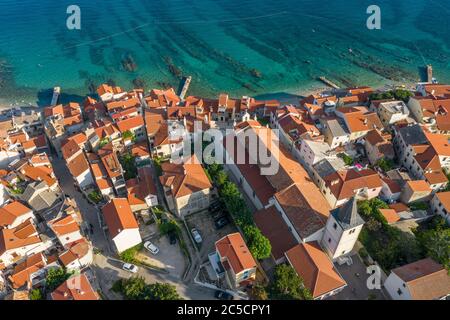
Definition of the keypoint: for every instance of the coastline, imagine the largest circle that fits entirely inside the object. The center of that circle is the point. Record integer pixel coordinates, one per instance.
(288, 96)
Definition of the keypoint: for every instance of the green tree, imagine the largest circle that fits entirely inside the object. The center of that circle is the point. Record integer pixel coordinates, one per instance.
(162, 291)
(129, 166)
(258, 244)
(287, 285)
(130, 254)
(95, 196)
(259, 292)
(55, 277)
(385, 164)
(135, 288)
(435, 241)
(129, 135)
(36, 294)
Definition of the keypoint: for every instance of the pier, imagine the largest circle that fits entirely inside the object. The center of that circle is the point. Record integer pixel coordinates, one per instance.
(184, 87)
(329, 83)
(56, 93)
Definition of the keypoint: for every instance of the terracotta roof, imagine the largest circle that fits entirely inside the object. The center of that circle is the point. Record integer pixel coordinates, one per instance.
(40, 173)
(23, 271)
(10, 212)
(118, 216)
(76, 250)
(69, 149)
(75, 288)
(79, 138)
(315, 268)
(105, 88)
(274, 228)
(418, 186)
(123, 104)
(390, 215)
(131, 123)
(141, 187)
(78, 165)
(425, 279)
(184, 179)
(65, 225)
(140, 149)
(23, 235)
(440, 143)
(437, 89)
(444, 198)
(343, 183)
(392, 184)
(399, 207)
(304, 212)
(233, 248)
(359, 119)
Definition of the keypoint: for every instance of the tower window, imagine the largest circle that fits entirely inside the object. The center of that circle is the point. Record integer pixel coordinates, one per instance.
(329, 240)
(335, 226)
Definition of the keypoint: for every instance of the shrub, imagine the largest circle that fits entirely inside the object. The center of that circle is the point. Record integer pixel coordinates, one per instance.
(130, 254)
(95, 196)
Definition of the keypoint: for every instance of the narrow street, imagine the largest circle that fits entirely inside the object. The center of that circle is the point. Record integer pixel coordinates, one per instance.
(107, 268)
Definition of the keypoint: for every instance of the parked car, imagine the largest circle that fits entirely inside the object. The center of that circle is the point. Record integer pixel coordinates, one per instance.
(130, 268)
(196, 235)
(223, 295)
(172, 238)
(221, 222)
(151, 247)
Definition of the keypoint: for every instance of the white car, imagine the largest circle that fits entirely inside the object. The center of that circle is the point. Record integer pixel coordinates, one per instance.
(196, 235)
(130, 268)
(151, 247)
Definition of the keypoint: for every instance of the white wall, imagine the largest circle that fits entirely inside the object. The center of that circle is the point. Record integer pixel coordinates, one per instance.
(342, 242)
(85, 179)
(127, 239)
(392, 284)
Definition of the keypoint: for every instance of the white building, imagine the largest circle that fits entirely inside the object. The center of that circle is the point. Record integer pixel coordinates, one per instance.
(391, 112)
(122, 225)
(421, 280)
(342, 230)
(440, 204)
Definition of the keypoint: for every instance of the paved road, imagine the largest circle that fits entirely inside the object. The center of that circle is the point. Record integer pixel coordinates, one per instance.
(106, 267)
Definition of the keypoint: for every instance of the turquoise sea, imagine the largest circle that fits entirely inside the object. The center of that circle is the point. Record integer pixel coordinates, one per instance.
(247, 47)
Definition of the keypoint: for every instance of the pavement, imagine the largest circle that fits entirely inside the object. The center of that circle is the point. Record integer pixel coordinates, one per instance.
(106, 267)
(356, 277)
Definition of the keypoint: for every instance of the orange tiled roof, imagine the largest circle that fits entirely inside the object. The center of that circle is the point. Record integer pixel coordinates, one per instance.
(69, 291)
(315, 268)
(118, 216)
(233, 248)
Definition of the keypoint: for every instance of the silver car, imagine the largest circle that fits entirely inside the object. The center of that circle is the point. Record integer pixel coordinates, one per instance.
(130, 267)
(196, 235)
(151, 247)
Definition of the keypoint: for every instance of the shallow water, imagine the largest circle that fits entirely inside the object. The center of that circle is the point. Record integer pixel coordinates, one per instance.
(238, 46)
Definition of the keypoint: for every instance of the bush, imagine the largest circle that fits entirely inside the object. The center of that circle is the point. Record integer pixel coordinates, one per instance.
(135, 288)
(129, 166)
(95, 196)
(36, 294)
(419, 206)
(347, 159)
(258, 245)
(55, 277)
(385, 164)
(130, 254)
(434, 239)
